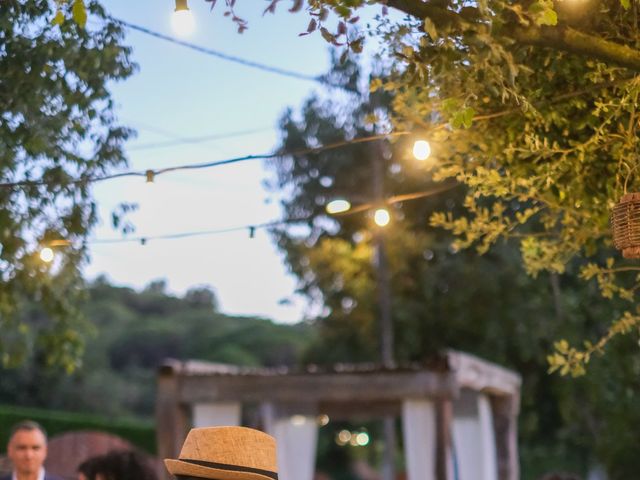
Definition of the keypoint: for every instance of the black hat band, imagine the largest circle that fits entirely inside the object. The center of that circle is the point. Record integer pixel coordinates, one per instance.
(227, 467)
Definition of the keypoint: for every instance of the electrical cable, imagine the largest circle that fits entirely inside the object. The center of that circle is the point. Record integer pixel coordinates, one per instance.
(150, 174)
(230, 58)
(173, 236)
(196, 140)
(251, 228)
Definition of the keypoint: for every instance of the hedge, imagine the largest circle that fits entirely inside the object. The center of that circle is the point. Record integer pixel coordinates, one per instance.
(140, 433)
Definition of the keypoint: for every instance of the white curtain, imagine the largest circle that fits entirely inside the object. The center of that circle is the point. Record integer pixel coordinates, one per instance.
(297, 439)
(473, 438)
(419, 431)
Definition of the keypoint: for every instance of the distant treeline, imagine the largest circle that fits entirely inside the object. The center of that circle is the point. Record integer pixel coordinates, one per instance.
(129, 333)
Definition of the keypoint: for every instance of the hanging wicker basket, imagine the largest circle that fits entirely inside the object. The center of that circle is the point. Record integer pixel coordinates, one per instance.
(625, 225)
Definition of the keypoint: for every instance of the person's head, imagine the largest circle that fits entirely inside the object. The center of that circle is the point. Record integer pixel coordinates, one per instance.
(116, 465)
(560, 476)
(27, 448)
(225, 453)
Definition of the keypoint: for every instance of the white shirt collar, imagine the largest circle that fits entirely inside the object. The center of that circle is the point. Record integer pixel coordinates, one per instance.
(14, 476)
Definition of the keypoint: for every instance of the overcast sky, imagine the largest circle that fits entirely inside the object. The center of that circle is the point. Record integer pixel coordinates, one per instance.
(177, 94)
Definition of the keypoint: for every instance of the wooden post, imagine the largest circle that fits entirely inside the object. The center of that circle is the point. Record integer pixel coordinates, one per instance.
(444, 419)
(505, 423)
(172, 419)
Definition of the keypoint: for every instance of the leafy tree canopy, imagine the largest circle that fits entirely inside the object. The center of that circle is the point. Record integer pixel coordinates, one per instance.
(133, 332)
(442, 297)
(526, 103)
(532, 106)
(57, 130)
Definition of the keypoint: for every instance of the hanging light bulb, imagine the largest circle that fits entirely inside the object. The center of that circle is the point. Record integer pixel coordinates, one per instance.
(151, 175)
(421, 150)
(46, 255)
(338, 206)
(182, 21)
(382, 217)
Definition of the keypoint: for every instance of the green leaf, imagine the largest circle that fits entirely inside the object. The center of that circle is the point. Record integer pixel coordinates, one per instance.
(430, 28)
(463, 118)
(626, 4)
(543, 12)
(58, 19)
(79, 12)
(548, 17)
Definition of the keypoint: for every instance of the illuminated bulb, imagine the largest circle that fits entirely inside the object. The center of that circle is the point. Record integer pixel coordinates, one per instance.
(421, 150)
(182, 21)
(343, 437)
(338, 206)
(46, 255)
(298, 420)
(382, 217)
(362, 439)
(323, 420)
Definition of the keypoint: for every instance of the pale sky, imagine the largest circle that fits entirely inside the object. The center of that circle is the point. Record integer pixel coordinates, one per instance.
(180, 93)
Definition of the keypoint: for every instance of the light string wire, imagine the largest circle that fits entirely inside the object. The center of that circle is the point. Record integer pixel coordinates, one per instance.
(151, 173)
(230, 58)
(143, 239)
(428, 128)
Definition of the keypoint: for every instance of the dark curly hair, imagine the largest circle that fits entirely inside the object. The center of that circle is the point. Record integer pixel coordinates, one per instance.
(560, 476)
(118, 465)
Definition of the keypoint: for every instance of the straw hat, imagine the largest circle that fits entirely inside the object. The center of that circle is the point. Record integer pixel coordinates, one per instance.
(226, 453)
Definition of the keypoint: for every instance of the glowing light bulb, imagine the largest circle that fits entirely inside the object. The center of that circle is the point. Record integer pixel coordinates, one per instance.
(323, 420)
(382, 217)
(421, 150)
(298, 420)
(46, 255)
(182, 21)
(338, 206)
(362, 439)
(343, 437)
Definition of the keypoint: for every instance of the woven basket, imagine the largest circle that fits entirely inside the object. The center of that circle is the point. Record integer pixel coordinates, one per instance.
(625, 225)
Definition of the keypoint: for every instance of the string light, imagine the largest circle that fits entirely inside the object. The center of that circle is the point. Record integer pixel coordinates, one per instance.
(252, 228)
(432, 128)
(150, 176)
(382, 217)
(362, 439)
(230, 58)
(182, 21)
(88, 179)
(338, 206)
(47, 255)
(323, 420)
(421, 150)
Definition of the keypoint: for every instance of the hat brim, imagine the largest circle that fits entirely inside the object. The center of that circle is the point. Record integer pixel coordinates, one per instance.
(178, 467)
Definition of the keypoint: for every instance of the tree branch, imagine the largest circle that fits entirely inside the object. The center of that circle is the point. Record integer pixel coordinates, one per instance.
(560, 37)
(574, 41)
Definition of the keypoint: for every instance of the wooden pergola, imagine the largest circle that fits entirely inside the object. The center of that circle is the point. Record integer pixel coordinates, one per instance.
(457, 398)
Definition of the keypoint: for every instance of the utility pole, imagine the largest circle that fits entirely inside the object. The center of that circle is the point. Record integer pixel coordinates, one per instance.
(384, 308)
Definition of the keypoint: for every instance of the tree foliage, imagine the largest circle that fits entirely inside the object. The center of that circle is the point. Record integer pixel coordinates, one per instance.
(532, 106)
(57, 130)
(443, 296)
(133, 332)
